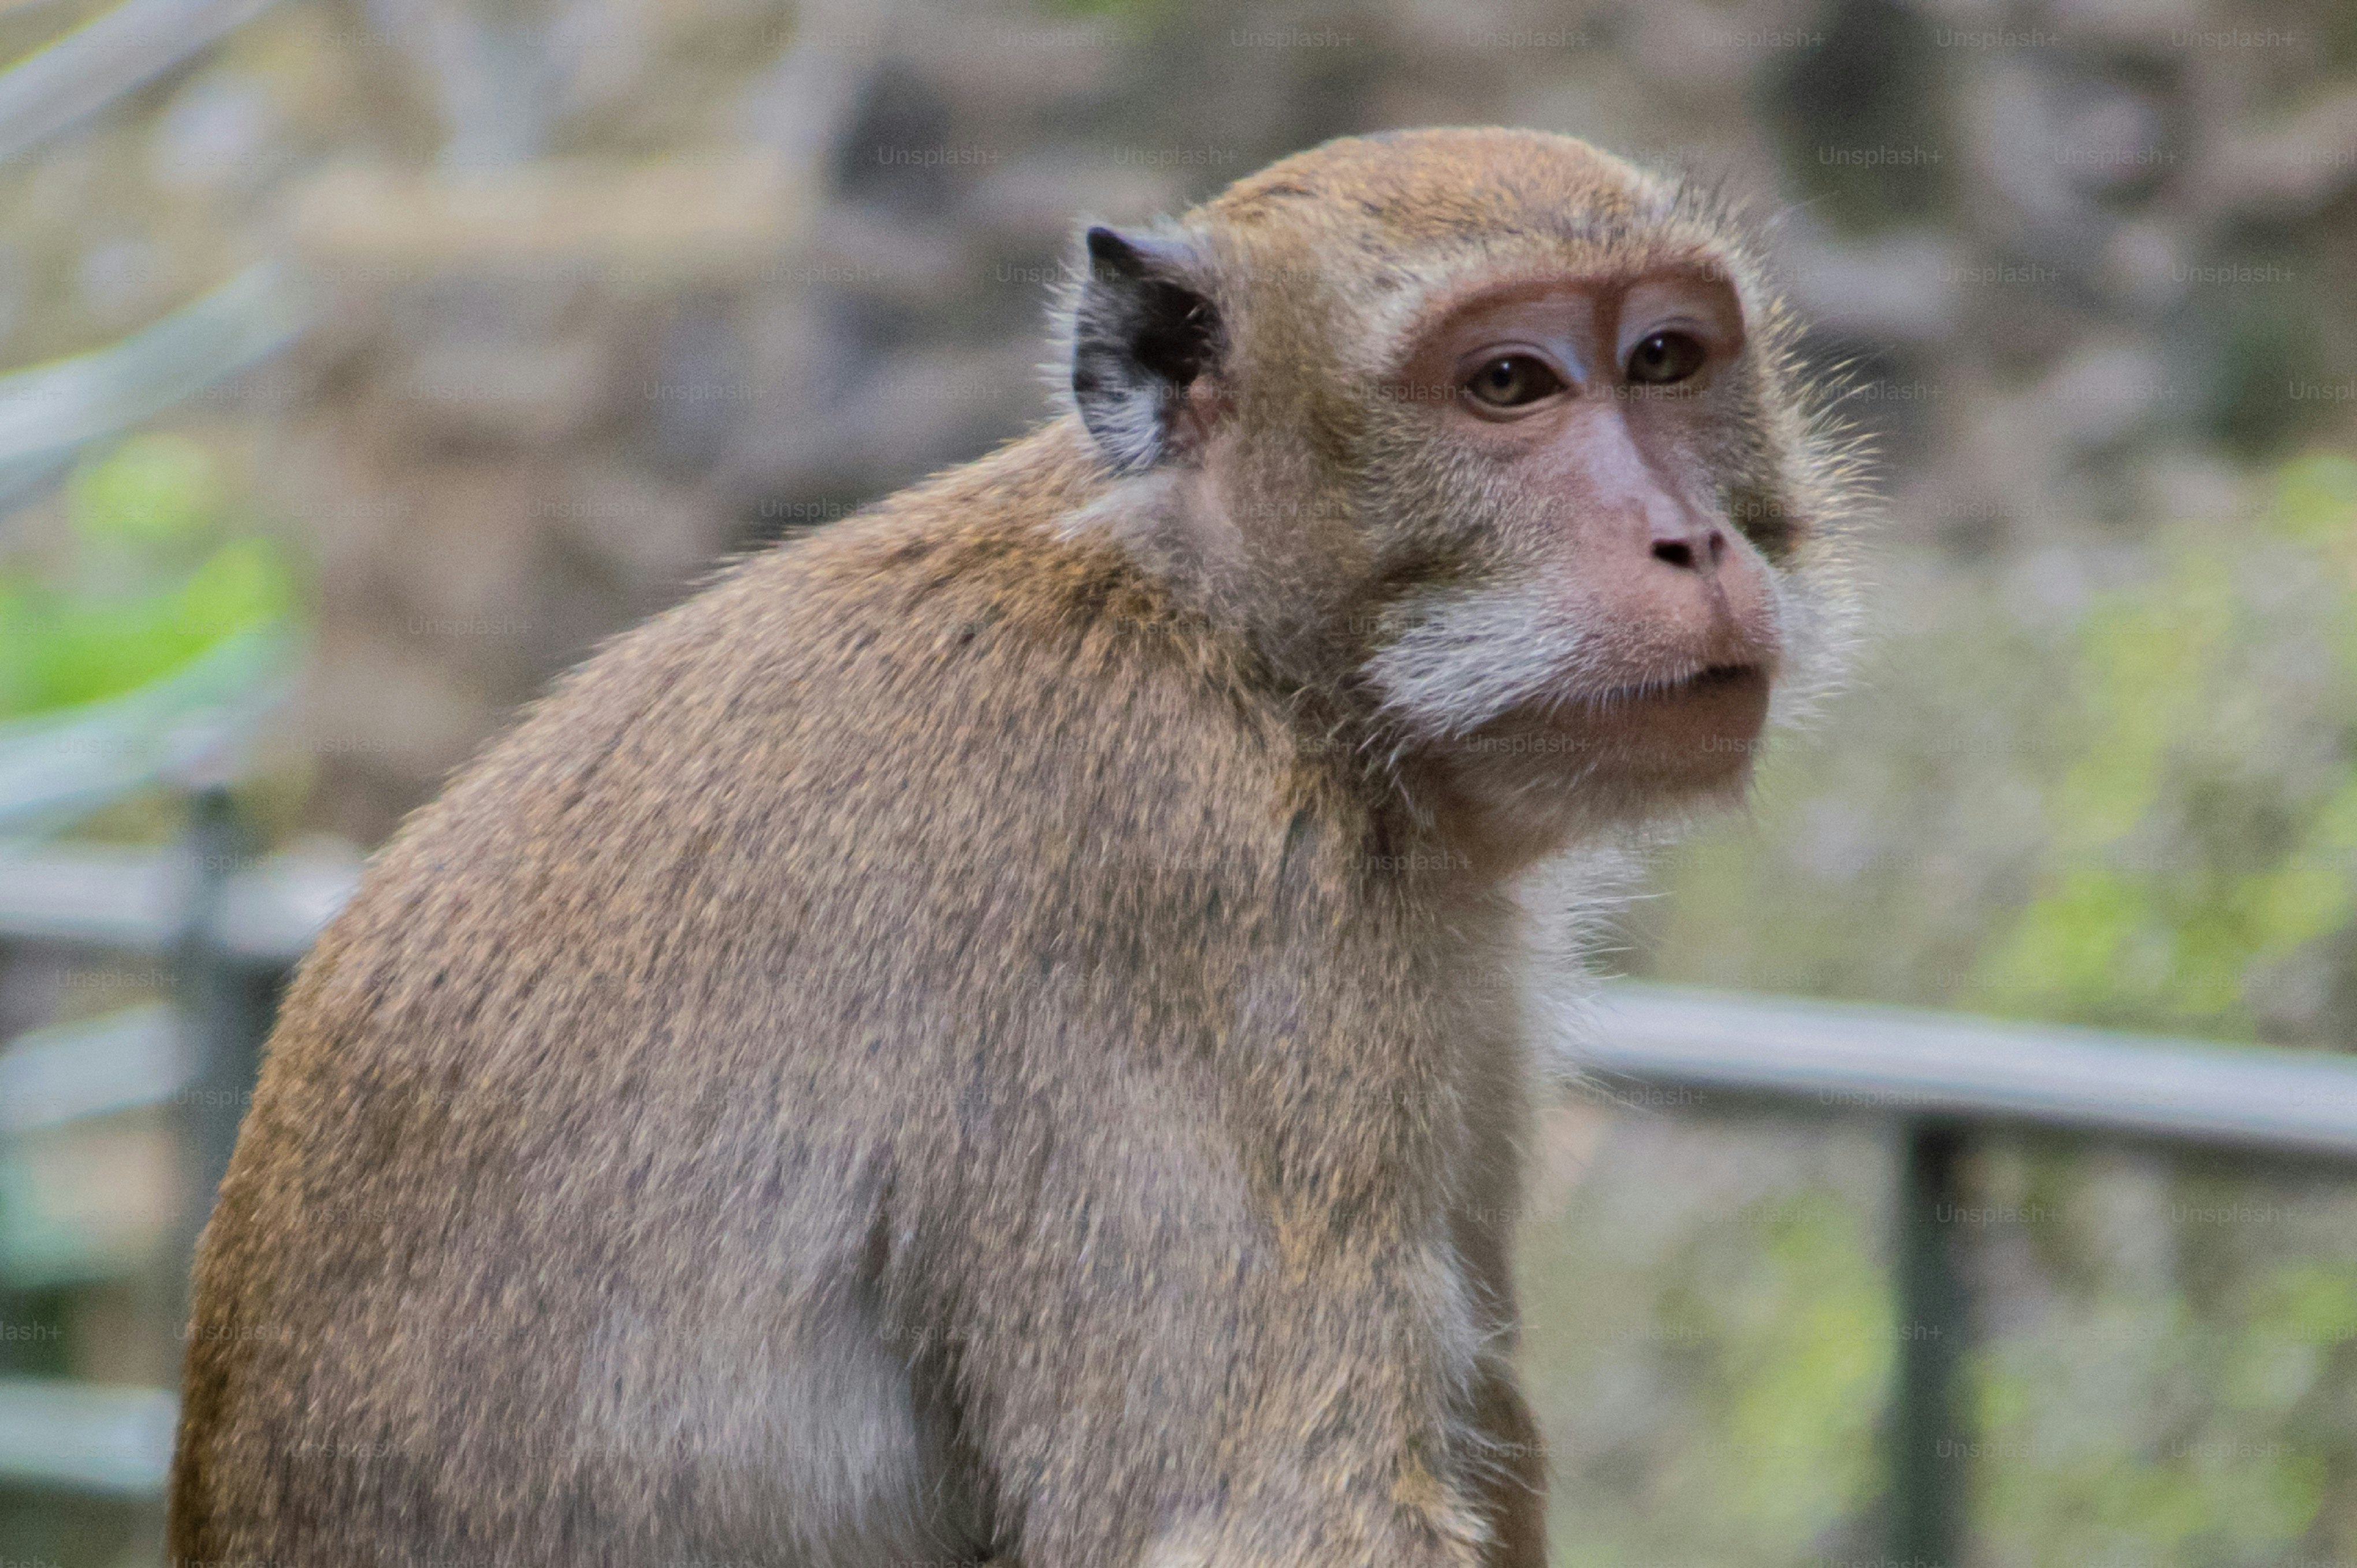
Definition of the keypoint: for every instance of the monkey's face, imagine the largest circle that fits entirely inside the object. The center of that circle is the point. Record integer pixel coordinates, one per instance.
(1497, 436)
(1605, 637)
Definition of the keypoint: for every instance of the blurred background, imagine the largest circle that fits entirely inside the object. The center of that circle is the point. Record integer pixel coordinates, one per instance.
(369, 361)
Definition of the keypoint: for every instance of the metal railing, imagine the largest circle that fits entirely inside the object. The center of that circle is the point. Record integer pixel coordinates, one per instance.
(54, 768)
(229, 926)
(1943, 1076)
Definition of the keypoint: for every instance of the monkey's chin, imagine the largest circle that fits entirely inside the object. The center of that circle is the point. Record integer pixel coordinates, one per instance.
(1540, 778)
(1698, 733)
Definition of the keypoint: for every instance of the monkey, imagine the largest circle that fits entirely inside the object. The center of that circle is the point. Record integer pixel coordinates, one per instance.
(1001, 1030)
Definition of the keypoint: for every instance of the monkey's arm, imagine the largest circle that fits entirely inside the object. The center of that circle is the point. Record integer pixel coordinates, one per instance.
(1185, 1375)
(1511, 1473)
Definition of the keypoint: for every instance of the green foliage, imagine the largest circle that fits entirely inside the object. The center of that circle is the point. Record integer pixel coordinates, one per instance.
(1805, 1374)
(2223, 1461)
(157, 500)
(2189, 853)
(152, 490)
(1763, 1326)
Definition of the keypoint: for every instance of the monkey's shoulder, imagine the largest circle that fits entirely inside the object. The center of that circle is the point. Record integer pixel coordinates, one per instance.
(937, 647)
(887, 724)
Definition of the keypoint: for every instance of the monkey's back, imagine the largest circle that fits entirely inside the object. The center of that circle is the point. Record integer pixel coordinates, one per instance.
(917, 814)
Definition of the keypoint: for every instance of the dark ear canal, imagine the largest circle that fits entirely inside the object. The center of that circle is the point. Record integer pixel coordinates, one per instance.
(1145, 330)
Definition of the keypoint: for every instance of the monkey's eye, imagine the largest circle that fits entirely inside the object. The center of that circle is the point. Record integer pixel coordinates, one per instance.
(1665, 357)
(1510, 380)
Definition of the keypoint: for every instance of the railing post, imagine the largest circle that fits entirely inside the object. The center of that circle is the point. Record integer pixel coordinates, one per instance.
(225, 1006)
(1927, 1420)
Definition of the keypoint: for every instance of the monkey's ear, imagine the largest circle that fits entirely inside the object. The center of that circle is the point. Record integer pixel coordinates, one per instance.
(1143, 332)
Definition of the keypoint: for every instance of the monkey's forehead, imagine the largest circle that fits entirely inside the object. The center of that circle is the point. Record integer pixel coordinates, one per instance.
(1429, 200)
(1368, 234)
(1444, 183)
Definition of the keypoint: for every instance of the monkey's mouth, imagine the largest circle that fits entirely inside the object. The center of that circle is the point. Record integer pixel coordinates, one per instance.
(1711, 680)
(1697, 729)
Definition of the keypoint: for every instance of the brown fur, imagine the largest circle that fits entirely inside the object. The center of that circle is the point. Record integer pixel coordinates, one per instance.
(956, 1040)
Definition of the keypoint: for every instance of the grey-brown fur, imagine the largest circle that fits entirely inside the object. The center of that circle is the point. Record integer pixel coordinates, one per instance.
(954, 1041)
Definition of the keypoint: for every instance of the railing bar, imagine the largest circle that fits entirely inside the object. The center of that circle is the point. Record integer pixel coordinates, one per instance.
(86, 1438)
(64, 1072)
(46, 410)
(97, 62)
(1839, 1056)
(131, 900)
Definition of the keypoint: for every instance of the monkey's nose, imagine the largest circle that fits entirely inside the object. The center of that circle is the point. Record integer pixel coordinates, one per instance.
(1696, 550)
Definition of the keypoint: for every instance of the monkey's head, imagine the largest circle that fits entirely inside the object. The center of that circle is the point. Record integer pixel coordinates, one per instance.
(1491, 440)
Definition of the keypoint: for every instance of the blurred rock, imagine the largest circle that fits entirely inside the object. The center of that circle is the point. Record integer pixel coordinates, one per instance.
(2289, 172)
(1896, 288)
(2101, 394)
(695, 217)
